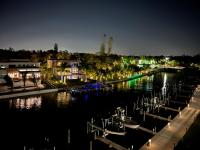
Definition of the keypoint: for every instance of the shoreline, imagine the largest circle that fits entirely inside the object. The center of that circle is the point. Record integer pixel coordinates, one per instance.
(136, 76)
(27, 93)
(43, 91)
(125, 79)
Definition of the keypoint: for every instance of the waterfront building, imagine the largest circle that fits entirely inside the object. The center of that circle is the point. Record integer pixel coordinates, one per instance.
(17, 69)
(65, 69)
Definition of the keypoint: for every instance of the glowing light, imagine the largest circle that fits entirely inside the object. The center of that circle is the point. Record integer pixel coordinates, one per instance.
(33, 69)
(168, 124)
(149, 142)
(192, 98)
(63, 98)
(166, 58)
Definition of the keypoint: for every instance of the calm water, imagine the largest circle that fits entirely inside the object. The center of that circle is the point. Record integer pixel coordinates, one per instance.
(45, 121)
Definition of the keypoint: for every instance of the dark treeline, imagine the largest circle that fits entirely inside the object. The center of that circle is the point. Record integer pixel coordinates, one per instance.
(43, 55)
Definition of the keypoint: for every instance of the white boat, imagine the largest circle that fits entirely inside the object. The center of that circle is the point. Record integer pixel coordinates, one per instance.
(126, 121)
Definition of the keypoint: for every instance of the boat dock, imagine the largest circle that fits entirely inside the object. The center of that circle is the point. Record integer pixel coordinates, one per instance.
(146, 130)
(169, 108)
(158, 117)
(171, 134)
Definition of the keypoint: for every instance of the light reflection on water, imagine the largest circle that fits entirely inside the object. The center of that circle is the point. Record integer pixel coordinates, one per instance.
(63, 99)
(164, 84)
(145, 83)
(26, 103)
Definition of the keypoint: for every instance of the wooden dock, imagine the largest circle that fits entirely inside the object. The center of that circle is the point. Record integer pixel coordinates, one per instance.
(159, 117)
(171, 134)
(105, 131)
(146, 130)
(172, 109)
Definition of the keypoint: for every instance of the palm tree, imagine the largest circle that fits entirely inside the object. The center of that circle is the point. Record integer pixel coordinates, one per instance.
(9, 81)
(110, 41)
(34, 79)
(24, 77)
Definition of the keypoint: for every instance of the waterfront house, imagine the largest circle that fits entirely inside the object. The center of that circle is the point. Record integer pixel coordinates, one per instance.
(19, 70)
(65, 69)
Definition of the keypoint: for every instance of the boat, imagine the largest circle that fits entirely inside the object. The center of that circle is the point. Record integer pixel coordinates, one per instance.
(123, 119)
(89, 88)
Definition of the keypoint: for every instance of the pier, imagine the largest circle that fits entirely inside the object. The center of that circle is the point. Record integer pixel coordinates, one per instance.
(171, 134)
(172, 109)
(158, 117)
(91, 128)
(146, 130)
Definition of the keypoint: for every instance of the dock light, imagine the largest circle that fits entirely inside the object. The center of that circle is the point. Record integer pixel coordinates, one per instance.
(149, 142)
(180, 113)
(168, 124)
(188, 105)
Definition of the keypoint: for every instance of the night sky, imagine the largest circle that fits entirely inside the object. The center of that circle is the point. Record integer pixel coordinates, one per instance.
(138, 27)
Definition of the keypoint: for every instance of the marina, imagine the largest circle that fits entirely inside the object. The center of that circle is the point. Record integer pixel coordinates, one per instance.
(99, 75)
(118, 118)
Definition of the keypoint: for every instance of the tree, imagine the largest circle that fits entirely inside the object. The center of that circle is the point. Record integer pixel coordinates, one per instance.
(24, 77)
(9, 81)
(56, 47)
(110, 41)
(55, 51)
(34, 79)
(102, 49)
(35, 58)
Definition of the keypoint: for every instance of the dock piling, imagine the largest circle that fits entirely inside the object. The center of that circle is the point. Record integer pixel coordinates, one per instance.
(68, 139)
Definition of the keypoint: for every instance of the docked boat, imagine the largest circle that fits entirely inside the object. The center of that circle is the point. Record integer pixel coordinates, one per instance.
(89, 88)
(123, 119)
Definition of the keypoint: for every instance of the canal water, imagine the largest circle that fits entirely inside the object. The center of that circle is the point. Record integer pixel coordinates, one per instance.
(59, 120)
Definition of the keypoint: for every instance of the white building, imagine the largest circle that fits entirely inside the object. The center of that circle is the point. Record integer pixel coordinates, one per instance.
(15, 68)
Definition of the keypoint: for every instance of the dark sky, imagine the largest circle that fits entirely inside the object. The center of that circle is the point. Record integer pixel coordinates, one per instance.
(138, 27)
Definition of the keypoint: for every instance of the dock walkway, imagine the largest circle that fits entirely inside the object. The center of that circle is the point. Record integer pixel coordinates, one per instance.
(171, 134)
